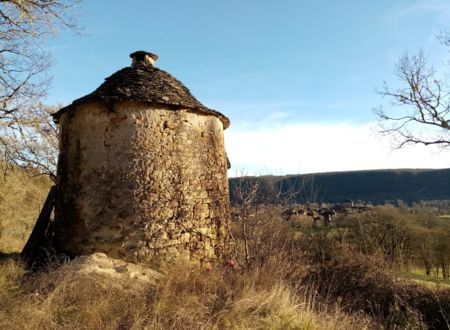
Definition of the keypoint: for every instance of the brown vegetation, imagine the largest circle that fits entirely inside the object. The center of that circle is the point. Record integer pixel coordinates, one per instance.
(187, 299)
(279, 277)
(407, 239)
(347, 268)
(364, 283)
(21, 198)
(284, 286)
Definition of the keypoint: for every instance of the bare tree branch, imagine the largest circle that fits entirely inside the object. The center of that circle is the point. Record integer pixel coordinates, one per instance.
(28, 137)
(32, 141)
(425, 105)
(24, 25)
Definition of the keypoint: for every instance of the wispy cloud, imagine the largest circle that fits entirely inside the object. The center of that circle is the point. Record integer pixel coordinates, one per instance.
(259, 114)
(306, 148)
(411, 9)
(253, 115)
(416, 24)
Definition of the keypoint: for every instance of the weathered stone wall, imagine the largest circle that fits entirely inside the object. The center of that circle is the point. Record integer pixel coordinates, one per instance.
(142, 183)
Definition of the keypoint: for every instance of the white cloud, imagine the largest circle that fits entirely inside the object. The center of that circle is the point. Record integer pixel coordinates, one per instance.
(309, 148)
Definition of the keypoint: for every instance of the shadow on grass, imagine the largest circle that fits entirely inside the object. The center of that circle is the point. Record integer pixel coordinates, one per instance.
(12, 255)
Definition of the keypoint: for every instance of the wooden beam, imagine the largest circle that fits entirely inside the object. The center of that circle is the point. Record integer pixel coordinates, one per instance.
(37, 237)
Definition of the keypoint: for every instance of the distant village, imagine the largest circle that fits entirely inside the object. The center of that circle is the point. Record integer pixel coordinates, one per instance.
(324, 214)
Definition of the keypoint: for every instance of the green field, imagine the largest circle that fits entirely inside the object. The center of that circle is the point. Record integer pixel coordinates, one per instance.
(430, 281)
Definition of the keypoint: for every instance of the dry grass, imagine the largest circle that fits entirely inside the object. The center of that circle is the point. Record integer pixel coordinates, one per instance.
(280, 282)
(21, 198)
(188, 298)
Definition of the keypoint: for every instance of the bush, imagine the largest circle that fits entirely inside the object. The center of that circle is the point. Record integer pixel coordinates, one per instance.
(363, 283)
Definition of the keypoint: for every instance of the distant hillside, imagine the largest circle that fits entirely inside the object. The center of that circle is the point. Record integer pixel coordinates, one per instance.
(376, 186)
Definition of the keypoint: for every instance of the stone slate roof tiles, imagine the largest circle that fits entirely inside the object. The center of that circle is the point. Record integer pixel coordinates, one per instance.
(146, 84)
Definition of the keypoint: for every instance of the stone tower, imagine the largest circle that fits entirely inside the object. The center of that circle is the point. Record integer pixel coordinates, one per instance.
(142, 171)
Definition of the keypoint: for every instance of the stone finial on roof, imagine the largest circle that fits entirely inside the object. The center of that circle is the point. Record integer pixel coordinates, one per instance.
(144, 58)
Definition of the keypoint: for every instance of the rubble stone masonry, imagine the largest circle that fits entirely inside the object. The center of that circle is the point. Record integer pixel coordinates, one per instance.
(142, 183)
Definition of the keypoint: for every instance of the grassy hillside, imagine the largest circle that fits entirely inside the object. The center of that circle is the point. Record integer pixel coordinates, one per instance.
(377, 186)
(278, 280)
(278, 275)
(21, 198)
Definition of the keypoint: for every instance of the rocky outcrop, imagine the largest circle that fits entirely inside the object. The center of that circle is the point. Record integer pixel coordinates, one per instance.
(99, 264)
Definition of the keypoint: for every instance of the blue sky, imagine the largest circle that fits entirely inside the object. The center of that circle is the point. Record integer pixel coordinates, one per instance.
(296, 78)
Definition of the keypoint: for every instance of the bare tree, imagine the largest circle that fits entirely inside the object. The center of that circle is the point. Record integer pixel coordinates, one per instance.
(31, 140)
(424, 101)
(27, 136)
(24, 25)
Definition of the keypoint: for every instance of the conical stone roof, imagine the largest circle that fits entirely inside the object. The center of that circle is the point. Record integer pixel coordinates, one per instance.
(145, 83)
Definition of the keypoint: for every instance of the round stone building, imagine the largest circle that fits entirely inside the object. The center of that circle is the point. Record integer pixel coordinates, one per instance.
(142, 171)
